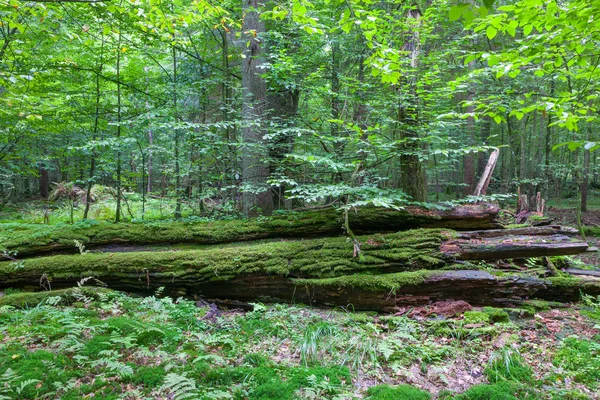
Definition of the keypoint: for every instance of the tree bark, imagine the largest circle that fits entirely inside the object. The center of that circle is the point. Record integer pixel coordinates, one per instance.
(258, 198)
(177, 213)
(118, 210)
(88, 194)
(413, 175)
(44, 182)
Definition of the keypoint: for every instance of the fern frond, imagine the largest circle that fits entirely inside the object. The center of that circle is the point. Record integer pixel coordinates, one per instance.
(180, 387)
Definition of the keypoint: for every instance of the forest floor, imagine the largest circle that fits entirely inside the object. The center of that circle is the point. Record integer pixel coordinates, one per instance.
(122, 347)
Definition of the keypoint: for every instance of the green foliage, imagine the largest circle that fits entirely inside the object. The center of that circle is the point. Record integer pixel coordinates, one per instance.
(385, 392)
(496, 314)
(580, 359)
(497, 391)
(508, 365)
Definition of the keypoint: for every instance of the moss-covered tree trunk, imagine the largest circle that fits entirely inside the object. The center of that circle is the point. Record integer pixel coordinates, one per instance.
(38, 240)
(415, 266)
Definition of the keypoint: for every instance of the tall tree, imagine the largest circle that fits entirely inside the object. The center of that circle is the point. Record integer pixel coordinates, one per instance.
(257, 197)
(413, 175)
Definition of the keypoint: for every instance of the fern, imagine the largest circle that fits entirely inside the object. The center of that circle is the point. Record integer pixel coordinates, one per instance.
(9, 389)
(118, 367)
(180, 387)
(19, 389)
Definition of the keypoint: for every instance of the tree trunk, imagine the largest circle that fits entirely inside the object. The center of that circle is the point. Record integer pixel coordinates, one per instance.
(88, 194)
(297, 225)
(255, 166)
(118, 210)
(177, 213)
(413, 175)
(586, 173)
(44, 182)
(395, 269)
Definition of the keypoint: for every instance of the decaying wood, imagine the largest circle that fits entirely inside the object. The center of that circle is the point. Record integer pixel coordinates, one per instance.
(484, 182)
(513, 246)
(533, 231)
(399, 268)
(582, 272)
(478, 288)
(47, 239)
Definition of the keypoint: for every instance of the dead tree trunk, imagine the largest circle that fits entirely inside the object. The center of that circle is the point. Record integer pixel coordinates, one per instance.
(396, 269)
(299, 225)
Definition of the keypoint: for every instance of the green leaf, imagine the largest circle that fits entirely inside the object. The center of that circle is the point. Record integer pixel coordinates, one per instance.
(488, 4)
(456, 12)
(491, 32)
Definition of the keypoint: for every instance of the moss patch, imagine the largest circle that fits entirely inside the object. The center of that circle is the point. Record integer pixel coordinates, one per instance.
(405, 392)
(496, 314)
(67, 296)
(385, 282)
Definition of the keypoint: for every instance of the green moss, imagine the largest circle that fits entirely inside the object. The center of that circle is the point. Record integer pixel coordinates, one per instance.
(255, 359)
(405, 392)
(34, 365)
(519, 312)
(499, 391)
(147, 376)
(541, 305)
(386, 282)
(32, 299)
(274, 390)
(457, 330)
(516, 226)
(496, 314)
(476, 317)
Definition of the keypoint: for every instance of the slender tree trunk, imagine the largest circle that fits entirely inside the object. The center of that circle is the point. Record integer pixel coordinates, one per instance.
(469, 159)
(88, 194)
(230, 134)
(118, 210)
(177, 214)
(255, 167)
(547, 147)
(150, 141)
(586, 172)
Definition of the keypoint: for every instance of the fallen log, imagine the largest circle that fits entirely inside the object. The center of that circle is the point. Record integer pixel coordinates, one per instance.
(531, 230)
(393, 269)
(32, 240)
(513, 246)
(583, 272)
(385, 292)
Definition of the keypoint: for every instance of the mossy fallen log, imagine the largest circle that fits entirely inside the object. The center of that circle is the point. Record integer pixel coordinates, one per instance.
(513, 246)
(61, 296)
(393, 269)
(529, 231)
(315, 258)
(384, 292)
(30, 240)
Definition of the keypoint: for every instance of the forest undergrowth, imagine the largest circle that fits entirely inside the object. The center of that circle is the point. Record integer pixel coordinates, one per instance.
(103, 344)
